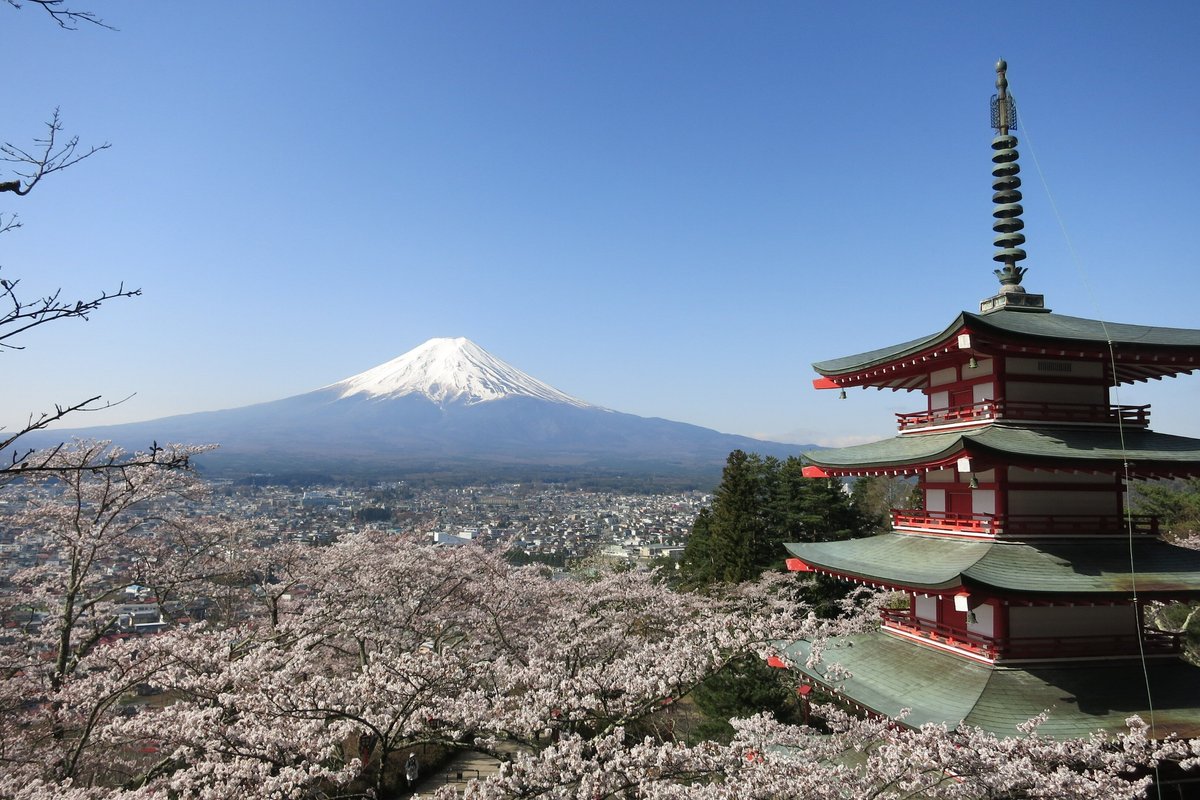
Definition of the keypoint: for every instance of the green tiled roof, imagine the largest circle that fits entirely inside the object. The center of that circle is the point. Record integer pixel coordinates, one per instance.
(1019, 324)
(917, 561)
(1093, 445)
(1108, 566)
(860, 361)
(889, 674)
(1077, 329)
(1061, 568)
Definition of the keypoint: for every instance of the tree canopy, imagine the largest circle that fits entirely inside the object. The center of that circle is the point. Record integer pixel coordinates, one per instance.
(323, 667)
(760, 504)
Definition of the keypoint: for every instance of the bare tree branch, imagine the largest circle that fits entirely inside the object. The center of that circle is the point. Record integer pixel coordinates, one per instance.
(65, 17)
(19, 316)
(47, 156)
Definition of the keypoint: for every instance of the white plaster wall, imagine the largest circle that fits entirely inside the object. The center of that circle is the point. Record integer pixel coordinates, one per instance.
(935, 500)
(939, 400)
(940, 377)
(985, 621)
(983, 501)
(983, 391)
(925, 608)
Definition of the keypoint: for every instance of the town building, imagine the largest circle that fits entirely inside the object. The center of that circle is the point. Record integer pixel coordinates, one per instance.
(1028, 582)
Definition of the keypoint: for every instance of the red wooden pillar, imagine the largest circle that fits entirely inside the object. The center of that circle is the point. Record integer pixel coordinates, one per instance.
(1001, 495)
(1000, 626)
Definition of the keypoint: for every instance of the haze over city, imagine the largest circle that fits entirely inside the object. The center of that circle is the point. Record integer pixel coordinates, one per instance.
(670, 209)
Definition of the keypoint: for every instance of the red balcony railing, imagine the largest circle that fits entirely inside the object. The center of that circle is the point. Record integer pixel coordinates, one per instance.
(945, 522)
(1133, 416)
(986, 646)
(976, 412)
(1022, 525)
(1018, 525)
(1153, 641)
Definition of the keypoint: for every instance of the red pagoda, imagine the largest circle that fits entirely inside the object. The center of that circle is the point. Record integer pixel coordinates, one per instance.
(1027, 579)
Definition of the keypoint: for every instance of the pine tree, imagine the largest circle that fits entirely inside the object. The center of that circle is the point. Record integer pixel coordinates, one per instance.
(760, 505)
(696, 567)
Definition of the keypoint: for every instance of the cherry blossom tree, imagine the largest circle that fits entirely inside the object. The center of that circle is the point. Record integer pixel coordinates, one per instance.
(376, 646)
(397, 645)
(851, 758)
(98, 528)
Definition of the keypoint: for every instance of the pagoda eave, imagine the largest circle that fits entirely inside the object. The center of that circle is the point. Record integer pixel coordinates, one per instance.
(1139, 352)
(1069, 568)
(889, 677)
(1146, 453)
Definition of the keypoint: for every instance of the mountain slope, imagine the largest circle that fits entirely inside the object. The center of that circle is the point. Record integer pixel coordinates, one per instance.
(449, 370)
(447, 405)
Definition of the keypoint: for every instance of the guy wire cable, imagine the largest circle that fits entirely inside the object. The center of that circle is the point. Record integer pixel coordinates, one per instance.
(1083, 277)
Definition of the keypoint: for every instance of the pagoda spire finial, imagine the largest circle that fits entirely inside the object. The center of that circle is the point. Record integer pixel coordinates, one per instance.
(1006, 188)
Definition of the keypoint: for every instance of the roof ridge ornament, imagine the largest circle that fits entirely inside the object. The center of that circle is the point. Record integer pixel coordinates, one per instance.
(1006, 188)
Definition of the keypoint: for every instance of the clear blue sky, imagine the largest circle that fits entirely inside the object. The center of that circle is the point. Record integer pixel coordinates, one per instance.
(669, 209)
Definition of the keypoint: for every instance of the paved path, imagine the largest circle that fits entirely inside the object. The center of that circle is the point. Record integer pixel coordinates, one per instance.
(458, 771)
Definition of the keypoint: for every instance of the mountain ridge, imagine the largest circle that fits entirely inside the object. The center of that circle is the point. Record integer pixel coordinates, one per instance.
(450, 369)
(445, 406)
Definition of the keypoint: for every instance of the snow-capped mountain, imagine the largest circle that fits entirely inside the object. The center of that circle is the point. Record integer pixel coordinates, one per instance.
(447, 408)
(450, 371)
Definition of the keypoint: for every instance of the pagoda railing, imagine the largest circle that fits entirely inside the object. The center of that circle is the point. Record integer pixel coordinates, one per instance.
(946, 522)
(1025, 525)
(954, 637)
(1018, 525)
(1133, 416)
(1153, 641)
(976, 412)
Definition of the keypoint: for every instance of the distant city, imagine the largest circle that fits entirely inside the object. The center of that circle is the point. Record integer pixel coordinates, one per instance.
(558, 527)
